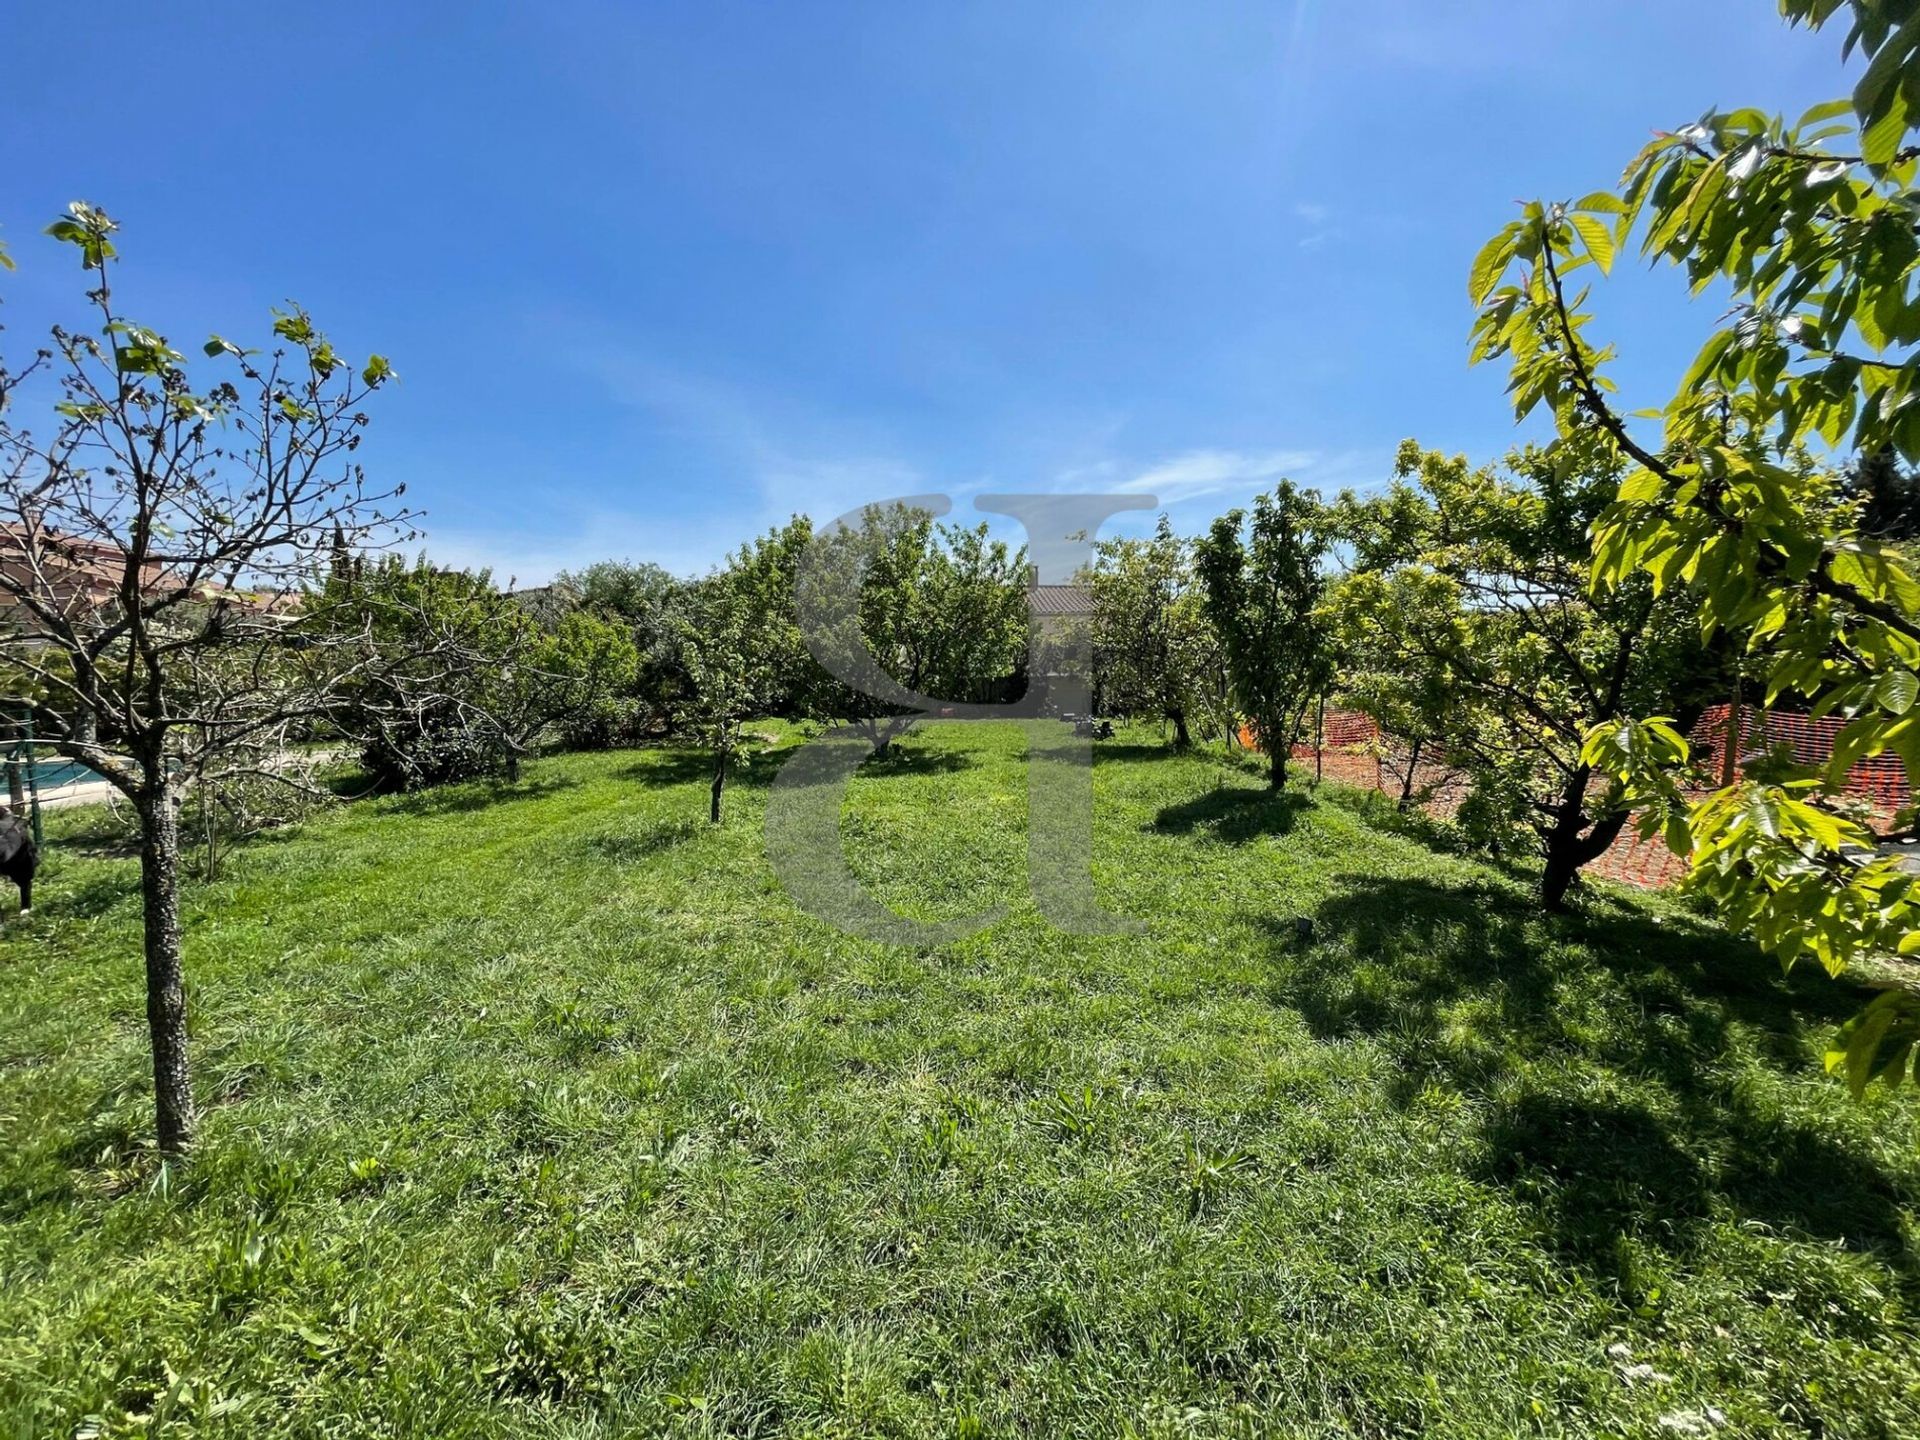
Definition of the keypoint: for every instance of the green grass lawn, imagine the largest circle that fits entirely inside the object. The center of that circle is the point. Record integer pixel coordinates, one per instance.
(542, 1111)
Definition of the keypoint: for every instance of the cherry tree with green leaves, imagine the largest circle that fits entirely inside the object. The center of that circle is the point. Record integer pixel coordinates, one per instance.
(1812, 229)
(740, 644)
(647, 600)
(973, 607)
(940, 609)
(1470, 624)
(589, 667)
(1263, 583)
(1153, 647)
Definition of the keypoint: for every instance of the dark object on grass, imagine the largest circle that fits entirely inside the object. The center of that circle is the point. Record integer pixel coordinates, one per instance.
(19, 856)
(1303, 929)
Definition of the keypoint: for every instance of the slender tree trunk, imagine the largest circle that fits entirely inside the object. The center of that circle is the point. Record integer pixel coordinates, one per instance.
(166, 990)
(513, 767)
(1276, 765)
(213, 841)
(719, 783)
(1413, 767)
(1319, 739)
(1730, 741)
(1181, 739)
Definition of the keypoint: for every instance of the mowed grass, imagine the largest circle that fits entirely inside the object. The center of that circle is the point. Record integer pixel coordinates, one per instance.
(540, 1110)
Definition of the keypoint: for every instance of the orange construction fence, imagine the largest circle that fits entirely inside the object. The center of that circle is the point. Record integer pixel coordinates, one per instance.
(1350, 751)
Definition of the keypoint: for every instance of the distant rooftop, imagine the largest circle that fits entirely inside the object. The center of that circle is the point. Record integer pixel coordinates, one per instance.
(1059, 600)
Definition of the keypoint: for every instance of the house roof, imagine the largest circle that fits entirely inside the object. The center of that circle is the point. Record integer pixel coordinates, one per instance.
(1060, 600)
(90, 571)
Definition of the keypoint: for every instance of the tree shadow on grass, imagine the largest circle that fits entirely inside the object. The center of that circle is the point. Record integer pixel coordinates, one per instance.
(1599, 1171)
(57, 898)
(1233, 814)
(1381, 812)
(664, 768)
(755, 769)
(108, 831)
(467, 796)
(1133, 752)
(1616, 1057)
(912, 760)
(626, 846)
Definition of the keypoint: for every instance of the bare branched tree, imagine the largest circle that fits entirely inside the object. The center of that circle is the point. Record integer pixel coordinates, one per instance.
(159, 548)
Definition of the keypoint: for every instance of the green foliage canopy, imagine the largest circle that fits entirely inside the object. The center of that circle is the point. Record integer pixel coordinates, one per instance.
(1811, 229)
(1263, 584)
(1472, 633)
(1153, 647)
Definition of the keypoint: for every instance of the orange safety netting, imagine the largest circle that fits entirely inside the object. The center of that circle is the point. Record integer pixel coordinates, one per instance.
(1351, 751)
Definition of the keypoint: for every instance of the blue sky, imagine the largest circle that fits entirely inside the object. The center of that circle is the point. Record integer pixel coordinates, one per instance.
(655, 275)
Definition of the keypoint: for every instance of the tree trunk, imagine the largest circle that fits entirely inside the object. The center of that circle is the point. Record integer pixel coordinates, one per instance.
(719, 784)
(1319, 739)
(16, 776)
(1181, 739)
(166, 991)
(1571, 843)
(513, 767)
(1277, 767)
(1730, 741)
(1413, 768)
(1557, 878)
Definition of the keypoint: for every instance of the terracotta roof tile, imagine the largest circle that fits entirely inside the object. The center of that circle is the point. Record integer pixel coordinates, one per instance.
(1060, 600)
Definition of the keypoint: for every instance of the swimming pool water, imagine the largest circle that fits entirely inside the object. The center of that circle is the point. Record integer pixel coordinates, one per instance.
(50, 774)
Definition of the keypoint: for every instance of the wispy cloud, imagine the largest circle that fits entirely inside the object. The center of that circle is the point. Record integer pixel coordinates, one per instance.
(793, 458)
(768, 456)
(1317, 220)
(683, 546)
(780, 456)
(1199, 473)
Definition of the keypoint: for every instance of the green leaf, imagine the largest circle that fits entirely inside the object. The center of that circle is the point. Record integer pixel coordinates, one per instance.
(1598, 239)
(1876, 1043)
(295, 327)
(1641, 487)
(1601, 202)
(1880, 141)
(1489, 264)
(1825, 110)
(1897, 691)
(1880, 92)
